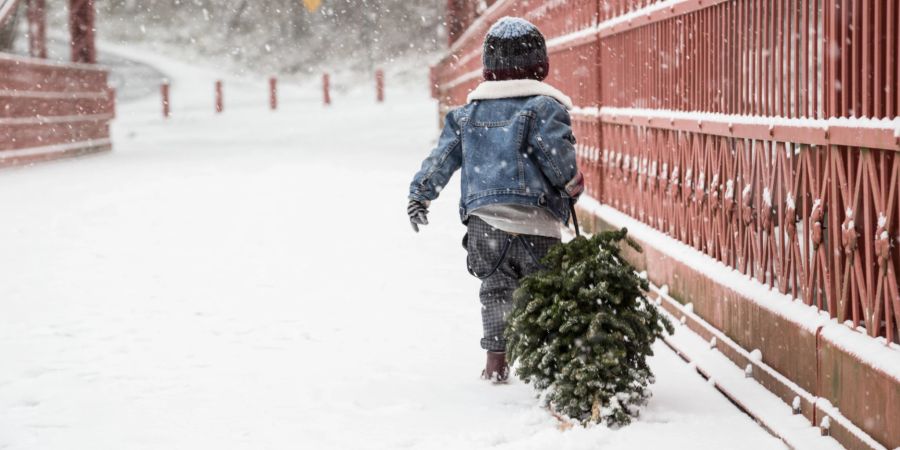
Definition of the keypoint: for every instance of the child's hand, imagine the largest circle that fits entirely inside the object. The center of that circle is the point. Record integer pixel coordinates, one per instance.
(418, 214)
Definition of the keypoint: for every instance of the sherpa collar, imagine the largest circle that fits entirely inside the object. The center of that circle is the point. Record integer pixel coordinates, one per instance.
(489, 90)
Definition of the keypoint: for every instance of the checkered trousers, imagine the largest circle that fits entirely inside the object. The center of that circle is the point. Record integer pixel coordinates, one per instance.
(485, 245)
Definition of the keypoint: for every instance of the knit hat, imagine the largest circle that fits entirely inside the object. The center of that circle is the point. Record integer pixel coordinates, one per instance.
(515, 49)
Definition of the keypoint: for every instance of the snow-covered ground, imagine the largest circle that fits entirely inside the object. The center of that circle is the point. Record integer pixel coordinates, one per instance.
(250, 281)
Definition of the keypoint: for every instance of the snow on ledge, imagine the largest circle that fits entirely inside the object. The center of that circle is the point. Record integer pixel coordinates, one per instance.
(832, 413)
(7, 155)
(559, 41)
(873, 351)
(741, 119)
(755, 357)
(22, 59)
(765, 407)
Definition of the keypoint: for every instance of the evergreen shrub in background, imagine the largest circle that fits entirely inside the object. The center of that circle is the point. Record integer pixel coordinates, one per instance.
(582, 329)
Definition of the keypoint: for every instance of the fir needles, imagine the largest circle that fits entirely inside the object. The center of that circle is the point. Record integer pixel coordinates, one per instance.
(582, 330)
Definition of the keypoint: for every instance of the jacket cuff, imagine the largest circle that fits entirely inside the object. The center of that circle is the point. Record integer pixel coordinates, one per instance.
(417, 196)
(575, 186)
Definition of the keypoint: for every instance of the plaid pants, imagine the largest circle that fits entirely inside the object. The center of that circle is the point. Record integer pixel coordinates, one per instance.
(485, 245)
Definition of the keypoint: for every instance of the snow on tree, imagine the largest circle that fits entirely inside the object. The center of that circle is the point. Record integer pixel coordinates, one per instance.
(582, 330)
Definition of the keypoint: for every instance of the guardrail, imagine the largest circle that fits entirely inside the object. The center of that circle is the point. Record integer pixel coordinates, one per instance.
(49, 109)
(52, 110)
(763, 134)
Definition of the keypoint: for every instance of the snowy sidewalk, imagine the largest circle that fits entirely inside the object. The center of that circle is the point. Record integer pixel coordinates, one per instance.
(250, 281)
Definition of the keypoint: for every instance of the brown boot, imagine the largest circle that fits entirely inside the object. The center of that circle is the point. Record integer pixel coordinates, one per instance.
(496, 369)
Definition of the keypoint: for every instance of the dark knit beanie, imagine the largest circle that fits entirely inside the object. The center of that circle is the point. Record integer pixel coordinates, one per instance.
(515, 49)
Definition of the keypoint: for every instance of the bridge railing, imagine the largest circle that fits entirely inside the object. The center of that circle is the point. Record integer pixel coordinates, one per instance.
(53, 109)
(754, 132)
(763, 134)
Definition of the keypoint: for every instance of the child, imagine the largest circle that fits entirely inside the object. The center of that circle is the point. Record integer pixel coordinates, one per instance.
(514, 144)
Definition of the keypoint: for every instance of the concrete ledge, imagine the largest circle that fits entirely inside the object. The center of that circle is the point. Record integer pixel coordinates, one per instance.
(796, 352)
(867, 394)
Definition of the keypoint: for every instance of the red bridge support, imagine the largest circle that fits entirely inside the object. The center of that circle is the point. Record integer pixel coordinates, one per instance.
(326, 89)
(220, 97)
(164, 90)
(81, 26)
(379, 86)
(273, 93)
(37, 28)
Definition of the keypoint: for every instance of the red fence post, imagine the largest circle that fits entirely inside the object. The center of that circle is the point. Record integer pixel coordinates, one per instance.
(220, 101)
(111, 101)
(326, 89)
(379, 85)
(164, 89)
(273, 93)
(433, 79)
(455, 25)
(37, 28)
(81, 27)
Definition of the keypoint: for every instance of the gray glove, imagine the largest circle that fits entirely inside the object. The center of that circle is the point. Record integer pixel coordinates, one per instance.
(418, 214)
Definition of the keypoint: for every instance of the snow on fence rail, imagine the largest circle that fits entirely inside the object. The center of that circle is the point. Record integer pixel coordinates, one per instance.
(765, 135)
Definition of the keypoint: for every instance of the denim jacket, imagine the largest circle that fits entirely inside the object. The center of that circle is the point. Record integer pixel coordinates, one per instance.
(514, 144)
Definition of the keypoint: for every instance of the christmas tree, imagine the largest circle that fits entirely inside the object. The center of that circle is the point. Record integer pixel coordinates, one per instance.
(582, 329)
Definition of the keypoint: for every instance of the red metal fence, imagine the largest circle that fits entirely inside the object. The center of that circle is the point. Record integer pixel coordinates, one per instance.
(763, 133)
(47, 109)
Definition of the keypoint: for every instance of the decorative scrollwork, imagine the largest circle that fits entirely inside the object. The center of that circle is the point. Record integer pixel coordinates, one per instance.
(687, 186)
(882, 244)
(790, 217)
(700, 189)
(848, 234)
(815, 219)
(747, 212)
(728, 198)
(715, 196)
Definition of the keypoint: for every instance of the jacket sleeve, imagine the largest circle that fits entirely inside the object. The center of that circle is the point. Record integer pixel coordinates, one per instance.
(552, 145)
(440, 165)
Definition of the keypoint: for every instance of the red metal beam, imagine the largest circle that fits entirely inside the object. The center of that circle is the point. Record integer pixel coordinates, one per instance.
(82, 30)
(37, 28)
